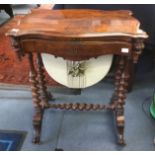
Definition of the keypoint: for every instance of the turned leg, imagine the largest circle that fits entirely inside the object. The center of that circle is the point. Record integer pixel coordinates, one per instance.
(37, 119)
(45, 95)
(120, 93)
(119, 68)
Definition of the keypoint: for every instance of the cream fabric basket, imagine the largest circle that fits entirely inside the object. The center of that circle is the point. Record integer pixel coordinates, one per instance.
(77, 74)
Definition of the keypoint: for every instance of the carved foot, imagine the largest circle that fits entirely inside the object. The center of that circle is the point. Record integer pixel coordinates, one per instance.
(37, 131)
(120, 119)
(37, 121)
(36, 140)
(121, 140)
(120, 135)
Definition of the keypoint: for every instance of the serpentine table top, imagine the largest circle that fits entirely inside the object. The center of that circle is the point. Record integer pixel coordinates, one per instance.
(75, 23)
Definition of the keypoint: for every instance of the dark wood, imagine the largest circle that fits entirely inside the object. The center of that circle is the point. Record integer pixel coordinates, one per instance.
(79, 35)
(122, 77)
(45, 95)
(81, 106)
(75, 49)
(138, 45)
(37, 119)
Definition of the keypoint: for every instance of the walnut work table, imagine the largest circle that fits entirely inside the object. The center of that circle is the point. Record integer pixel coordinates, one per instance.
(78, 35)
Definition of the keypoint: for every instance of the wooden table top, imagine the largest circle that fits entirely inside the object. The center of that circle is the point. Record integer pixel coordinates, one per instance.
(78, 23)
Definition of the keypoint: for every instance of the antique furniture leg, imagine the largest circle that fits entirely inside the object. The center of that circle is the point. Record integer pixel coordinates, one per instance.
(117, 80)
(119, 69)
(37, 119)
(45, 95)
(121, 83)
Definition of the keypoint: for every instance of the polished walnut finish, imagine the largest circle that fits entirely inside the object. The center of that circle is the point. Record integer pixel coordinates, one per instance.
(79, 35)
(85, 23)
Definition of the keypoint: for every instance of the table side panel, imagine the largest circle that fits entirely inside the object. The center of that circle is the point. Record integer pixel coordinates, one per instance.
(75, 50)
